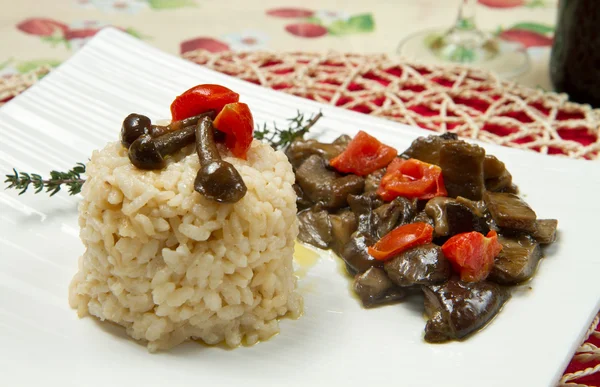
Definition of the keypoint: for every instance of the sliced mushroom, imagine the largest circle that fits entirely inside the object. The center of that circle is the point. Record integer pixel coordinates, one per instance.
(492, 167)
(497, 178)
(356, 255)
(461, 219)
(510, 212)
(501, 183)
(545, 231)
(301, 149)
(462, 169)
(302, 202)
(422, 217)
(427, 149)
(374, 288)
(373, 180)
(315, 227)
(364, 206)
(476, 206)
(343, 225)
(456, 308)
(321, 184)
(517, 260)
(421, 265)
(396, 213)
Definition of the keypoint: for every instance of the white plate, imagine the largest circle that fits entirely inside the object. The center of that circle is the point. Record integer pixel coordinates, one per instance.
(80, 106)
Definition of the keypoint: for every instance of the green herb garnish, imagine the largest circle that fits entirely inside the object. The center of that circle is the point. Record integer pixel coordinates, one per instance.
(281, 138)
(71, 179)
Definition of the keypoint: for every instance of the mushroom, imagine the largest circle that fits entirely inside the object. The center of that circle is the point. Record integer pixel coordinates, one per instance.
(436, 210)
(149, 153)
(374, 288)
(217, 179)
(136, 125)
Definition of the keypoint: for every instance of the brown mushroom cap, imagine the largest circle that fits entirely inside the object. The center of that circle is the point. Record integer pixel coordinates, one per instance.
(217, 179)
(144, 154)
(134, 126)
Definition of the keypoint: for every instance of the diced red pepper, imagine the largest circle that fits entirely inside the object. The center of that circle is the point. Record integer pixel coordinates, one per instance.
(201, 98)
(235, 120)
(412, 178)
(400, 239)
(364, 154)
(472, 254)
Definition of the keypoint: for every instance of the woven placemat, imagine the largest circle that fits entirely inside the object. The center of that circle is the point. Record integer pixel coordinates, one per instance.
(471, 103)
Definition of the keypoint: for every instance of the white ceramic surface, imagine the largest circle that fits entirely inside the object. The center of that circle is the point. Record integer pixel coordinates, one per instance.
(80, 106)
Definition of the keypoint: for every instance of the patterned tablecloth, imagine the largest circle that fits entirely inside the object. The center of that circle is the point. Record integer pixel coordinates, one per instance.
(38, 35)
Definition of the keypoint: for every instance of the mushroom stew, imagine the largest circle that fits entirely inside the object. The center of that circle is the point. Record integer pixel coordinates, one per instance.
(442, 218)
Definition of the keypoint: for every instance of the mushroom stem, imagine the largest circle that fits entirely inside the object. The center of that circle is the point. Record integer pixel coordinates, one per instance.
(159, 130)
(148, 153)
(205, 142)
(171, 142)
(217, 179)
(176, 125)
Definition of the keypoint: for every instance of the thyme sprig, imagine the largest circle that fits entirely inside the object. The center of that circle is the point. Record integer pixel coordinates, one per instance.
(281, 138)
(71, 179)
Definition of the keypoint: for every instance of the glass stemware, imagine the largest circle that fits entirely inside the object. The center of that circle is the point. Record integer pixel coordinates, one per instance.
(466, 44)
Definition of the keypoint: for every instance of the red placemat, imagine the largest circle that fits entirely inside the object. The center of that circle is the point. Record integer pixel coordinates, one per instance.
(471, 103)
(468, 102)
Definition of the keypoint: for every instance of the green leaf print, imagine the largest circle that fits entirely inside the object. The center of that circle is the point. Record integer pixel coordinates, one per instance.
(542, 29)
(170, 4)
(355, 24)
(314, 20)
(536, 3)
(56, 40)
(25, 67)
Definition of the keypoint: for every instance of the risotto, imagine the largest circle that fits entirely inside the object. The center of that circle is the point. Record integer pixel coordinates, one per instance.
(170, 265)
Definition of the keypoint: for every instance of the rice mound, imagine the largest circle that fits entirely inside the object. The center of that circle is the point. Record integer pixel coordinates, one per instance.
(170, 265)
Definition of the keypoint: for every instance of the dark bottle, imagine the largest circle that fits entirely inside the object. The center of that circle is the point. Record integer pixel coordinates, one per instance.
(575, 59)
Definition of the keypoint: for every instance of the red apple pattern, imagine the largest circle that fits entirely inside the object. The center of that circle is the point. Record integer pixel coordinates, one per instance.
(54, 31)
(314, 24)
(290, 12)
(42, 27)
(203, 43)
(306, 30)
(502, 3)
(529, 34)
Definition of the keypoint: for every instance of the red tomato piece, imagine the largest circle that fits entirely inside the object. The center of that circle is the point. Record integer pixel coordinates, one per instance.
(412, 179)
(364, 154)
(400, 239)
(201, 98)
(472, 254)
(235, 120)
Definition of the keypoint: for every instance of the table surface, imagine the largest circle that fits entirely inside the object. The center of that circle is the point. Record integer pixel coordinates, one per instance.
(36, 33)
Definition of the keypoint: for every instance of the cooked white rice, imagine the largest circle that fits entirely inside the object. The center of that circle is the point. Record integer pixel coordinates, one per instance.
(170, 265)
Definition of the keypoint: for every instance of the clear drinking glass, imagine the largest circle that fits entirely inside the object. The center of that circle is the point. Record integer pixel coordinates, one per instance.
(466, 44)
